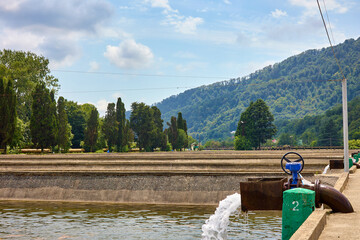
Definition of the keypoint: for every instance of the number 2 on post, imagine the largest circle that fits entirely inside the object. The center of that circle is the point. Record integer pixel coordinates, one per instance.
(296, 205)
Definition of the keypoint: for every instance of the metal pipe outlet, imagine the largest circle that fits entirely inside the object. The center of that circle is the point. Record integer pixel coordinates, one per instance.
(331, 197)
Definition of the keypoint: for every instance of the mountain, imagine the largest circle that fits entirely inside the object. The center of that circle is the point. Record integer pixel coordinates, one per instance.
(325, 129)
(294, 88)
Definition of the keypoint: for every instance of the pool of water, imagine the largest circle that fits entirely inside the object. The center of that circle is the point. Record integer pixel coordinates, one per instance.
(45, 220)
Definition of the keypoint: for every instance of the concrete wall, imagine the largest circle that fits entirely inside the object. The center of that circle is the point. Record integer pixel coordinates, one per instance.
(122, 188)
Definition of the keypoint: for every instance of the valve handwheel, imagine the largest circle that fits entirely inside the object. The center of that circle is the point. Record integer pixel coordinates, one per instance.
(287, 157)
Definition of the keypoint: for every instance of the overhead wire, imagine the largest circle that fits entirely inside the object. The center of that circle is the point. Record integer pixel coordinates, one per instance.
(126, 89)
(168, 88)
(327, 16)
(327, 33)
(141, 74)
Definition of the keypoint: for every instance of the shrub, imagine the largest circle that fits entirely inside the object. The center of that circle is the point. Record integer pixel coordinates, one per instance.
(241, 143)
(354, 144)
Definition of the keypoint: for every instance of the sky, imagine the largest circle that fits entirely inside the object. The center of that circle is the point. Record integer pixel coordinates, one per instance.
(148, 50)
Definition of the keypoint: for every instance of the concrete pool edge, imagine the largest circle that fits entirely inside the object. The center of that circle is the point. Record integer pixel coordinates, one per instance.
(312, 228)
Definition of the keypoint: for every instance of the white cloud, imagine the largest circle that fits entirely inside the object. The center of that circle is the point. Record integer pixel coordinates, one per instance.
(278, 13)
(227, 2)
(129, 55)
(312, 7)
(101, 106)
(185, 25)
(10, 5)
(182, 24)
(71, 15)
(94, 66)
(160, 4)
(115, 33)
(51, 28)
(12, 38)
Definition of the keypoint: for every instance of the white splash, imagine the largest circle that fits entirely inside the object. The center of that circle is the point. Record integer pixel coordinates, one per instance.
(305, 182)
(215, 228)
(326, 169)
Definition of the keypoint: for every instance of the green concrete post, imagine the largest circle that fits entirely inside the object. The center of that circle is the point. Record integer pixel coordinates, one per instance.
(356, 156)
(350, 162)
(298, 204)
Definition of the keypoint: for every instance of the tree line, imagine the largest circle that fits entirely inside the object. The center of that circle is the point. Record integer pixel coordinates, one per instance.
(293, 89)
(323, 129)
(31, 117)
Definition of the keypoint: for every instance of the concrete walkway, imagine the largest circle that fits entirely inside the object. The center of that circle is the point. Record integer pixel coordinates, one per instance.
(345, 226)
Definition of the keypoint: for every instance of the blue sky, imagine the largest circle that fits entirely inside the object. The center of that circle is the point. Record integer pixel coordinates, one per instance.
(148, 50)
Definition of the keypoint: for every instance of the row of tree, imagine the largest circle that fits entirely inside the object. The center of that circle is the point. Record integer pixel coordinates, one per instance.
(31, 117)
(321, 130)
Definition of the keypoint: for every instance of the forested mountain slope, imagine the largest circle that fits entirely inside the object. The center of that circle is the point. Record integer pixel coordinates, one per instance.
(293, 88)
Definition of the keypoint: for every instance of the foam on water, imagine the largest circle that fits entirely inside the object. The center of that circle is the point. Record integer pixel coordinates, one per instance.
(304, 181)
(215, 228)
(326, 169)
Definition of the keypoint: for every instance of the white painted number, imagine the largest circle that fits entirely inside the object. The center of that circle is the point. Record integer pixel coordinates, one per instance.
(296, 205)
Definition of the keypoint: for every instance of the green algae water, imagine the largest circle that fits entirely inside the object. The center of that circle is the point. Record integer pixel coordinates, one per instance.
(45, 220)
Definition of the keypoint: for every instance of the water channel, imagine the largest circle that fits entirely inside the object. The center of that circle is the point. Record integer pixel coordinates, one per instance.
(49, 220)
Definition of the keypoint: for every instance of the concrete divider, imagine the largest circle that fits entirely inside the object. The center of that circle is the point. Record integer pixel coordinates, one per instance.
(184, 189)
(171, 178)
(312, 228)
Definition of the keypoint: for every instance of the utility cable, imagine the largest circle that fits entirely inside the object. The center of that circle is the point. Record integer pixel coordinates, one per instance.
(327, 33)
(125, 89)
(139, 74)
(167, 88)
(327, 16)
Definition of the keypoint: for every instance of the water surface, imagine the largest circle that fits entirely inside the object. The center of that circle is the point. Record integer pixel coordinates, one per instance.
(45, 220)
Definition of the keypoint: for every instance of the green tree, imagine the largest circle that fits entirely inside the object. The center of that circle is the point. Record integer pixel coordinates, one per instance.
(256, 123)
(129, 135)
(120, 118)
(286, 139)
(328, 135)
(307, 137)
(43, 124)
(64, 128)
(191, 141)
(185, 126)
(87, 108)
(182, 140)
(159, 139)
(101, 141)
(7, 109)
(354, 144)
(110, 127)
(180, 121)
(27, 70)
(241, 143)
(142, 123)
(77, 120)
(91, 131)
(172, 132)
(22, 136)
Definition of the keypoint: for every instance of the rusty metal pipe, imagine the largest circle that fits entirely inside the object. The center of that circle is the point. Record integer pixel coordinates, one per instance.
(331, 197)
(356, 164)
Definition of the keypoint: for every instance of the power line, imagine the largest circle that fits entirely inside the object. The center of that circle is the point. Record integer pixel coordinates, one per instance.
(327, 16)
(139, 74)
(168, 88)
(125, 89)
(327, 33)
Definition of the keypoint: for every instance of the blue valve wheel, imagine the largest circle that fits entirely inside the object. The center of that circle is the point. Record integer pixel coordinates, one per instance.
(287, 158)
